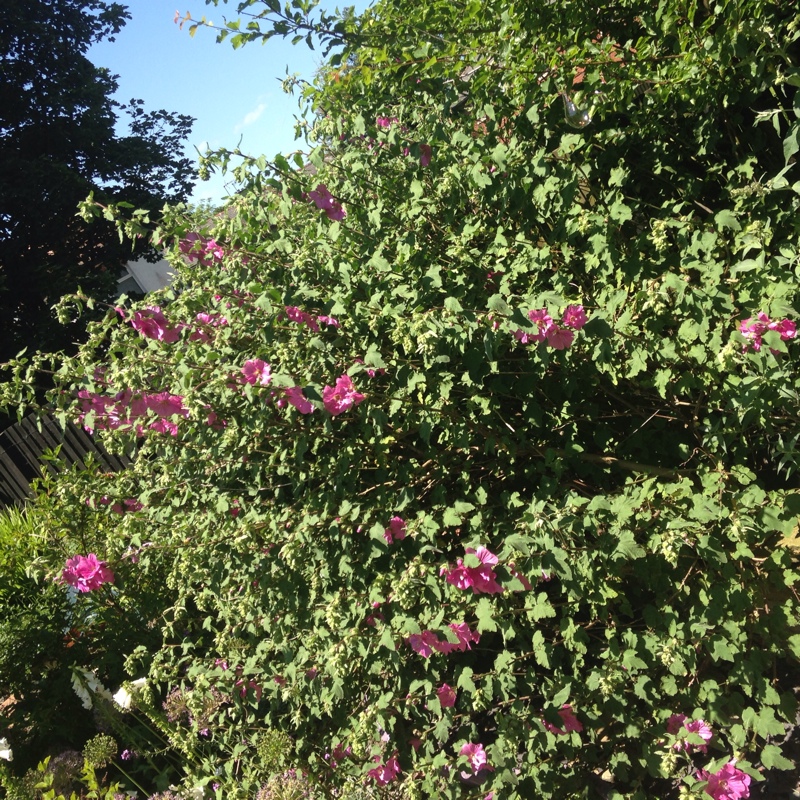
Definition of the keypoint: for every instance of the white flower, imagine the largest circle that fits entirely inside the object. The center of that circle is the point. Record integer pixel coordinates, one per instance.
(122, 698)
(5, 750)
(84, 682)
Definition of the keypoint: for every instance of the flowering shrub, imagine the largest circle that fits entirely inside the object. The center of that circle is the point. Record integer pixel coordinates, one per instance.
(385, 544)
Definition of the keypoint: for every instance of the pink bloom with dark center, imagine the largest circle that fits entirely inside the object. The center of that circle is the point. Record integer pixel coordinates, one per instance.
(574, 317)
(296, 397)
(396, 530)
(86, 573)
(542, 320)
(342, 397)
(256, 371)
(326, 320)
(570, 721)
(727, 783)
(446, 695)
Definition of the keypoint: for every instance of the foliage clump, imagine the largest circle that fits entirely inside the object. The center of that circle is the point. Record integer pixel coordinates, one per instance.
(465, 460)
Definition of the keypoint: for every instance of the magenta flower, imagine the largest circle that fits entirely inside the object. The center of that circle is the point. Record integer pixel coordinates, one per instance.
(559, 338)
(396, 530)
(677, 724)
(424, 643)
(326, 202)
(255, 371)
(542, 320)
(425, 153)
(446, 695)
(476, 756)
(385, 122)
(296, 397)
(303, 317)
(152, 323)
(727, 783)
(574, 317)
(570, 721)
(385, 773)
(342, 397)
(786, 327)
(482, 579)
(324, 319)
(465, 636)
(86, 573)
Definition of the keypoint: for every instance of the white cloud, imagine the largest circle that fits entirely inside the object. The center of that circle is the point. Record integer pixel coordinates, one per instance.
(251, 116)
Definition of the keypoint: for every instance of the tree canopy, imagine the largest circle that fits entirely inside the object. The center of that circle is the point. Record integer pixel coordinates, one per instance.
(465, 444)
(58, 142)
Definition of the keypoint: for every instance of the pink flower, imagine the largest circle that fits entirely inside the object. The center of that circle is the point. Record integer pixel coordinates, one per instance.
(296, 397)
(425, 153)
(542, 320)
(396, 530)
(677, 724)
(196, 247)
(86, 573)
(385, 122)
(326, 320)
(210, 321)
(424, 643)
(342, 397)
(574, 317)
(559, 338)
(464, 635)
(476, 756)
(727, 783)
(786, 328)
(152, 323)
(570, 721)
(255, 371)
(326, 202)
(754, 329)
(526, 584)
(482, 579)
(385, 773)
(446, 695)
(296, 315)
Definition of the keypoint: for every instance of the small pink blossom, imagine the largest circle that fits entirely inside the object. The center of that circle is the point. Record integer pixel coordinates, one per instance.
(446, 695)
(425, 153)
(559, 338)
(727, 783)
(677, 724)
(152, 323)
(324, 319)
(542, 320)
(86, 573)
(196, 247)
(297, 315)
(574, 317)
(570, 721)
(326, 202)
(786, 327)
(482, 579)
(385, 122)
(385, 773)
(342, 397)
(256, 371)
(296, 397)
(476, 756)
(396, 530)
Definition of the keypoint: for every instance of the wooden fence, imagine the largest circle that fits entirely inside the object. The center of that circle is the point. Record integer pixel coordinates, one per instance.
(23, 444)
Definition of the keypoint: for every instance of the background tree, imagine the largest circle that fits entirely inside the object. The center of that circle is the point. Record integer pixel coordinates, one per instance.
(58, 143)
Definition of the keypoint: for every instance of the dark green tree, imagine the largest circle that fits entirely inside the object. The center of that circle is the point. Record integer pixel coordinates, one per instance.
(58, 142)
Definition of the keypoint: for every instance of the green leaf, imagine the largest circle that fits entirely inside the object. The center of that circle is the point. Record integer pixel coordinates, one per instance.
(772, 758)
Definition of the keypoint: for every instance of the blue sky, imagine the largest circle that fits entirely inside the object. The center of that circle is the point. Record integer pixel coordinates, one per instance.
(235, 95)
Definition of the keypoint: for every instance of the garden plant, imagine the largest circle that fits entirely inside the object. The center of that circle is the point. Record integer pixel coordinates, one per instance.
(465, 443)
